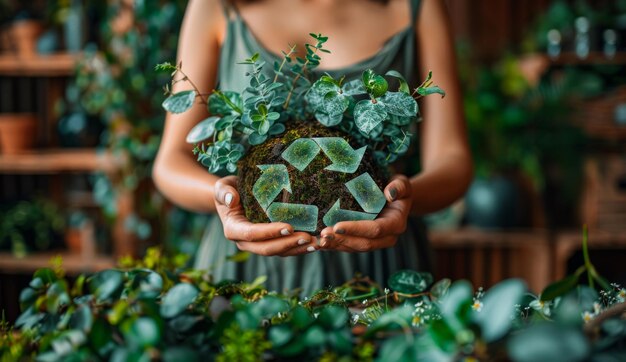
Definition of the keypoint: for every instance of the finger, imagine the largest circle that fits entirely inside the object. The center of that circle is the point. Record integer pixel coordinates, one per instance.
(300, 250)
(398, 188)
(352, 244)
(226, 193)
(275, 246)
(238, 228)
(326, 239)
(391, 221)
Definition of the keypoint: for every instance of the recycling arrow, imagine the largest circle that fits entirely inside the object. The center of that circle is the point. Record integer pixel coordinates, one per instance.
(336, 214)
(274, 178)
(301, 217)
(343, 157)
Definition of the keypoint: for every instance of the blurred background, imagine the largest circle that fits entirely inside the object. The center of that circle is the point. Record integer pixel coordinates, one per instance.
(80, 122)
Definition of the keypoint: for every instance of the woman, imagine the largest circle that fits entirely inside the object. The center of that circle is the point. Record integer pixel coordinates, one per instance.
(410, 36)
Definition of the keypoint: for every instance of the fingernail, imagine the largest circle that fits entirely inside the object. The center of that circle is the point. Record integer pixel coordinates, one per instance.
(285, 232)
(340, 231)
(228, 199)
(310, 249)
(323, 243)
(303, 241)
(393, 193)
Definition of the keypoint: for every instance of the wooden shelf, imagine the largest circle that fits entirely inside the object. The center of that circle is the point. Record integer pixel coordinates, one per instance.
(53, 65)
(484, 238)
(58, 160)
(73, 264)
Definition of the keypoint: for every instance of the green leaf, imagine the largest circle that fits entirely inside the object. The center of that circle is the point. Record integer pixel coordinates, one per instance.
(256, 139)
(82, 318)
(202, 131)
(327, 120)
(315, 96)
(368, 115)
(314, 337)
(46, 276)
(107, 284)
(143, 332)
(178, 299)
(239, 257)
(409, 281)
(335, 104)
(180, 102)
(354, 87)
(301, 318)
(277, 129)
(27, 297)
(177, 354)
(495, 318)
(399, 348)
(399, 104)
(333, 317)
(560, 287)
(165, 67)
(548, 342)
(431, 90)
(440, 288)
(280, 335)
(404, 87)
(225, 103)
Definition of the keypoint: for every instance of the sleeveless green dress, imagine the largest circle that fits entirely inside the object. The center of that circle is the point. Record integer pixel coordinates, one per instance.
(319, 269)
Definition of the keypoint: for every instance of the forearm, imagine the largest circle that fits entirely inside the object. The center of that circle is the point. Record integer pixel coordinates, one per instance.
(441, 184)
(185, 182)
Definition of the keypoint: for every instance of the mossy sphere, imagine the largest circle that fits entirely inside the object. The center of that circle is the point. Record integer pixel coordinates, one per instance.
(314, 185)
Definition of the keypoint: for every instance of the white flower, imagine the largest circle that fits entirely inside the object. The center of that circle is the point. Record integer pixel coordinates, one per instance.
(478, 305)
(596, 307)
(386, 291)
(364, 301)
(355, 318)
(621, 295)
(587, 316)
(540, 306)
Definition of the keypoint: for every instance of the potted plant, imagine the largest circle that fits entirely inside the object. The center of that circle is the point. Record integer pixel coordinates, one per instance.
(308, 152)
(17, 132)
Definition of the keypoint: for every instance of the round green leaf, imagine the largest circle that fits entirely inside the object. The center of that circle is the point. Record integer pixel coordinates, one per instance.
(178, 299)
(202, 131)
(548, 342)
(409, 281)
(335, 103)
(82, 318)
(378, 86)
(106, 284)
(498, 308)
(333, 317)
(368, 115)
(142, 332)
(280, 335)
(180, 102)
(400, 104)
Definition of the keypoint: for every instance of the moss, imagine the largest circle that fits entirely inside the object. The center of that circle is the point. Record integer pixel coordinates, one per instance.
(314, 185)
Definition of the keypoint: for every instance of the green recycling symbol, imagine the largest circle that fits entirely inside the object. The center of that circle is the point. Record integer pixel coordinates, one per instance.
(300, 153)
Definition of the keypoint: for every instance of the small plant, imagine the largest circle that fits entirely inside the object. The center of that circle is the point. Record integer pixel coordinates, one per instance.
(31, 225)
(329, 127)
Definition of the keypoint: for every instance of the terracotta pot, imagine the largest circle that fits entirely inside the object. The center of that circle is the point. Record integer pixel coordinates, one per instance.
(17, 132)
(74, 240)
(24, 34)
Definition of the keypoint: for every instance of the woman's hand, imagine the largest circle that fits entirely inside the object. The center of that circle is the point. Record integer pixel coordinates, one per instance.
(266, 239)
(383, 232)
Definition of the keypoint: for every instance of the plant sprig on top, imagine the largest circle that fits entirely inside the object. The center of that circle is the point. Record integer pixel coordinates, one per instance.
(364, 108)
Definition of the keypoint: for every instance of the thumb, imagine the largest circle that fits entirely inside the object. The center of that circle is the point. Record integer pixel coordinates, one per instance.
(398, 188)
(226, 191)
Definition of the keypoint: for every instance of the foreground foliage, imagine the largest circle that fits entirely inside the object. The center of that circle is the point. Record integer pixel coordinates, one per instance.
(155, 309)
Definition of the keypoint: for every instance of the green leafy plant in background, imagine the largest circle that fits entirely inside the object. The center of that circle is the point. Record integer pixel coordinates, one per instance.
(115, 81)
(326, 129)
(31, 225)
(156, 308)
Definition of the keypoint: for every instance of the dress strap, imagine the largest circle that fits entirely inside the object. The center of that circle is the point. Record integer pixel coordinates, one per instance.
(230, 10)
(415, 9)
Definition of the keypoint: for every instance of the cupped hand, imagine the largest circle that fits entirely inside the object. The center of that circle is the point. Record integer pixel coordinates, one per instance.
(383, 232)
(266, 239)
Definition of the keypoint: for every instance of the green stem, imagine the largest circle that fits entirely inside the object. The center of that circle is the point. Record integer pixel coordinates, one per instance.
(292, 50)
(227, 100)
(295, 80)
(186, 78)
(588, 264)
